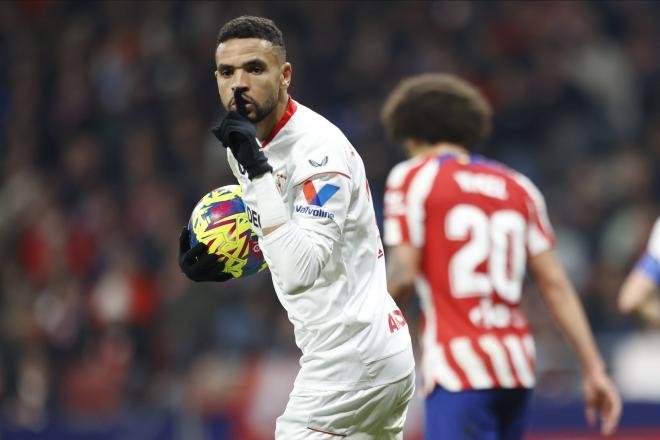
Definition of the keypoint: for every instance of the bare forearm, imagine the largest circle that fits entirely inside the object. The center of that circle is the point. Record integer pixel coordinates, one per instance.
(566, 309)
(569, 315)
(398, 285)
(650, 311)
(402, 262)
(639, 294)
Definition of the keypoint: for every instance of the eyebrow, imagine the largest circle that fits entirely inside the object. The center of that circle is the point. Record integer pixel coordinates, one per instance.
(249, 63)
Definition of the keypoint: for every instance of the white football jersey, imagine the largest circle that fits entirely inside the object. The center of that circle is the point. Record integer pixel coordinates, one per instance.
(650, 261)
(327, 261)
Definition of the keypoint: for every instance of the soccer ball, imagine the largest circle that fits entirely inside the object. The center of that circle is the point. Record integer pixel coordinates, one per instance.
(219, 220)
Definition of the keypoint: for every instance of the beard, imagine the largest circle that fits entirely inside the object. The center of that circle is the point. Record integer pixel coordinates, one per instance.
(261, 110)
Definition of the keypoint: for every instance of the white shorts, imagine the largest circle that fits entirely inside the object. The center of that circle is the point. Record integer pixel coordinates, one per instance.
(375, 413)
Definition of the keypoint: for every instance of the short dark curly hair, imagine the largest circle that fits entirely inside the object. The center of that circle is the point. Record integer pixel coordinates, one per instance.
(247, 26)
(434, 108)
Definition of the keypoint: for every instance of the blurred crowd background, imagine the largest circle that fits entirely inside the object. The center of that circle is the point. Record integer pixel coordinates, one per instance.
(105, 147)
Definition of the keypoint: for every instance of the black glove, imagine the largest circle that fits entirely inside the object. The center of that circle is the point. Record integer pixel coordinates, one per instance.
(197, 263)
(237, 133)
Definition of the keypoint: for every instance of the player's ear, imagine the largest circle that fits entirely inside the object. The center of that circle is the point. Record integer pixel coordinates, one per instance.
(285, 76)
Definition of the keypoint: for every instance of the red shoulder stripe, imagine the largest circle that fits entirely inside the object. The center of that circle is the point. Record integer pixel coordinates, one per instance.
(290, 110)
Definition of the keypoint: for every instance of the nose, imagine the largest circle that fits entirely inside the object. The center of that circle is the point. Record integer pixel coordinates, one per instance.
(239, 100)
(240, 81)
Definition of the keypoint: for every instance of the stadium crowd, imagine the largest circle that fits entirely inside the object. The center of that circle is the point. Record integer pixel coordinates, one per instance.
(105, 147)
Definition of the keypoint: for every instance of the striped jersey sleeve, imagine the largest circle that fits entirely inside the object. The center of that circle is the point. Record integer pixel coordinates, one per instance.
(540, 235)
(408, 186)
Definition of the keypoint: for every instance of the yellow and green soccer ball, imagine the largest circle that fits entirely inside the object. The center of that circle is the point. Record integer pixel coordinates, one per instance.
(219, 220)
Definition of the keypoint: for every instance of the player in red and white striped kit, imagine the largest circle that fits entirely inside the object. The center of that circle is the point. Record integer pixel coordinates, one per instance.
(462, 229)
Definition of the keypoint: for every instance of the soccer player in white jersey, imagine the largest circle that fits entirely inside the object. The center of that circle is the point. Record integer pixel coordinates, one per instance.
(639, 292)
(309, 202)
(461, 229)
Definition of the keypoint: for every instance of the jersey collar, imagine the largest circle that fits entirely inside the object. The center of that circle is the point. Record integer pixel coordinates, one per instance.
(290, 110)
(462, 158)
